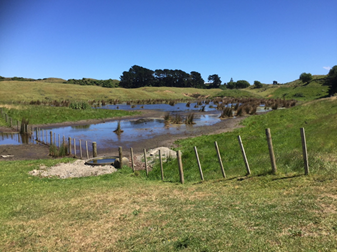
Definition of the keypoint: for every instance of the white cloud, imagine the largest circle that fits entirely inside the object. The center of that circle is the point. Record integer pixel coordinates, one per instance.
(327, 68)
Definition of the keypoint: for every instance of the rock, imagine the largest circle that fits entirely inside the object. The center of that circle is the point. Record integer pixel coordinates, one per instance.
(125, 161)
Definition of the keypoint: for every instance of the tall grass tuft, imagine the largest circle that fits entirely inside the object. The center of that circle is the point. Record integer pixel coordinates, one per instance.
(190, 119)
(226, 113)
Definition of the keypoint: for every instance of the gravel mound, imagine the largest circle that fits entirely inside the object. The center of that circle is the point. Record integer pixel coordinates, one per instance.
(76, 169)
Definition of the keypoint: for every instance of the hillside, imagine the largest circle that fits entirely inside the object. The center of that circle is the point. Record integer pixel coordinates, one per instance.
(15, 91)
(296, 89)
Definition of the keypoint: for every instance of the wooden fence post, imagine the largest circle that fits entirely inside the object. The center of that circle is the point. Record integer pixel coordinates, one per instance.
(94, 149)
(198, 161)
(305, 152)
(145, 160)
(220, 161)
(244, 155)
(86, 147)
(69, 145)
(132, 162)
(161, 165)
(81, 149)
(74, 147)
(271, 151)
(120, 156)
(180, 165)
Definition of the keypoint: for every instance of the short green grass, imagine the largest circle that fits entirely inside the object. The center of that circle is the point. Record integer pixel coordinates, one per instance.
(124, 212)
(38, 114)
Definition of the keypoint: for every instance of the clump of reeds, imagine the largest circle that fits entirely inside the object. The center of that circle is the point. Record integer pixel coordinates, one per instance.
(240, 111)
(188, 104)
(274, 106)
(172, 103)
(202, 108)
(118, 130)
(226, 113)
(176, 119)
(133, 106)
(167, 117)
(62, 151)
(190, 119)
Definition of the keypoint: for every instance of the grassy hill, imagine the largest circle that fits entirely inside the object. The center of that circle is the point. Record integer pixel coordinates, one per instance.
(43, 90)
(294, 90)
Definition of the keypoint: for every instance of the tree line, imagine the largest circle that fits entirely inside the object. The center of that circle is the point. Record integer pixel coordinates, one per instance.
(138, 76)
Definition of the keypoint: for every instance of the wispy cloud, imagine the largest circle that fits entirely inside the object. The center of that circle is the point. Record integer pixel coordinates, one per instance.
(327, 68)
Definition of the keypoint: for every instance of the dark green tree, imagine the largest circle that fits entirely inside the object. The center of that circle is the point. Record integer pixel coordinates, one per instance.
(257, 84)
(242, 84)
(331, 80)
(215, 81)
(196, 80)
(305, 77)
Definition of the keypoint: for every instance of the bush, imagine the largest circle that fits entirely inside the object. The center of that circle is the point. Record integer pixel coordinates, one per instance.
(305, 77)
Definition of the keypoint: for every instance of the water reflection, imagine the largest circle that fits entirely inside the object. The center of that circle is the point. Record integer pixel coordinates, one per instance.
(15, 138)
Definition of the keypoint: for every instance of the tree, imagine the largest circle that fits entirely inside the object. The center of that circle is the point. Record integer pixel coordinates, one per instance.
(242, 84)
(257, 84)
(331, 80)
(215, 81)
(231, 84)
(305, 77)
(196, 80)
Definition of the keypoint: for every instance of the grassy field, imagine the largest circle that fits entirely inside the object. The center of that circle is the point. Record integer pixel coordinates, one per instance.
(319, 119)
(40, 90)
(129, 212)
(124, 212)
(294, 90)
(38, 114)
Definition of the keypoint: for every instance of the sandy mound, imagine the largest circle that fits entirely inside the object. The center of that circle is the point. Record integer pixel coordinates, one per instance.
(76, 169)
(153, 155)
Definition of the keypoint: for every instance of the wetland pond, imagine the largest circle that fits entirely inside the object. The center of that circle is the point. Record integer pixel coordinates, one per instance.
(134, 130)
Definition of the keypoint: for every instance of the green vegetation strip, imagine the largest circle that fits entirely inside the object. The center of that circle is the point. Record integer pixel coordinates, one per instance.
(319, 119)
(46, 114)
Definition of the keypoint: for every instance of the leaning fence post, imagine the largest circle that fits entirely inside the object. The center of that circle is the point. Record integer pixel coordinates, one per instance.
(244, 155)
(94, 149)
(180, 165)
(161, 165)
(199, 165)
(69, 145)
(145, 159)
(271, 151)
(305, 152)
(132, 162)
(219, 158)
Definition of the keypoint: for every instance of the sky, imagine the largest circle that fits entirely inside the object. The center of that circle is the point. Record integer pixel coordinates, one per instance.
(262, 40)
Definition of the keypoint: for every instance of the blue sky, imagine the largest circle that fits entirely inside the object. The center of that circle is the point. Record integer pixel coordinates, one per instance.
(261, 40)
